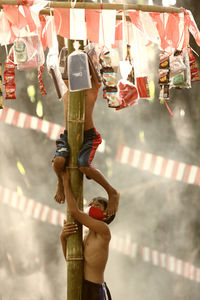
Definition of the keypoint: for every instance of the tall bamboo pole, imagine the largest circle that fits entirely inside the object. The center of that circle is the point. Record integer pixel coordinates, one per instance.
(76, 116)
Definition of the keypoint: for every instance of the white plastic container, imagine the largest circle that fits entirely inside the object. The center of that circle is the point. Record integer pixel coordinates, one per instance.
(78, 71)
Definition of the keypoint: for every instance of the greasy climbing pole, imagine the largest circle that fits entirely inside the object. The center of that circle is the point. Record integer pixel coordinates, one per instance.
(76, 117)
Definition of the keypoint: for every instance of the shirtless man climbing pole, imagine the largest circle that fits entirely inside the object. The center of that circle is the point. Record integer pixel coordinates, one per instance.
(92, 139)
(95, 244)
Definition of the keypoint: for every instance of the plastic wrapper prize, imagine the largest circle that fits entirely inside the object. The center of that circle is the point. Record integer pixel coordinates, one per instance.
(10, 92)
(164, 92)
(63, 57)
(1, 100)
(143, 87)
(182, 78)
(78, 71)
(20, 51)
(9, 79)
(0, 78)
(164, 61)
(193, 66)
(163, 76)
(109, 77)
(35, 53)
(105, 59)
(1, 94)
(176, 65)
(127, 93)
(113, 100)
(94, 65)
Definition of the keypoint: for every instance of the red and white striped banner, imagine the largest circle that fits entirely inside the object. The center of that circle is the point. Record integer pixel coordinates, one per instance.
(170, 263)
(31, 207)
(158, 165)
(125, 246)
(16, 118)
(22, 120)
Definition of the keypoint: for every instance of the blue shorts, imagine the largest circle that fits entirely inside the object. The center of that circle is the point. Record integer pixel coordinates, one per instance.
(95, 291)
(92, 139)
(62, 147)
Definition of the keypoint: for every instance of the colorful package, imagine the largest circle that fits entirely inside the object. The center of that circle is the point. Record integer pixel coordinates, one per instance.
(35, 53)
(41, 83)
(10, 92)
(20, 51)
(113, 100)
(127, 93)
(1, 94)
(93, 59)
(109, 77)
(164, 61)
(180, 77)
(164, 92)
(194, 71)
(143, 87)
(163, 76)
(105, 59)
(9, 80)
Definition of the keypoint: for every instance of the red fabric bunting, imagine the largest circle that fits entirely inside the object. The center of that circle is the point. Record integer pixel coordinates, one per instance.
(62, 21)
(14, 16)
(172, 30)
(92, 23)
(135, 19)
(160, 27)
(191, 24)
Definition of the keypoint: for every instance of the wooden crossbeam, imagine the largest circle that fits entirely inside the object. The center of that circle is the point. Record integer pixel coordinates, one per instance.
(115, 6)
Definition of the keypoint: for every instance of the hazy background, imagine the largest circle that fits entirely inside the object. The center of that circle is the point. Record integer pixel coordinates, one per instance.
(155, 212)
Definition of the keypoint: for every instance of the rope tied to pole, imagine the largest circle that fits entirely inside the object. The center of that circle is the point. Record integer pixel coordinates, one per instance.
(74, 258)
(76, 121)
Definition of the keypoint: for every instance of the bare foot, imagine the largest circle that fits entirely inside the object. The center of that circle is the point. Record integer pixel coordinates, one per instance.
(113, 202)
(60, 194)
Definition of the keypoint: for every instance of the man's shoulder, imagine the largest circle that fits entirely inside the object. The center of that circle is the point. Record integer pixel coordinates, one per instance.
(106, 236)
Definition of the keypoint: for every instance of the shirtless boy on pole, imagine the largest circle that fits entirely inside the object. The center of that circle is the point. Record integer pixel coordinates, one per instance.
(95, 244)
(92, 139)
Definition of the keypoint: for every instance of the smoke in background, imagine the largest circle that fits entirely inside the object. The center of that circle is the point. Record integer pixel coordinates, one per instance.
(155, 212)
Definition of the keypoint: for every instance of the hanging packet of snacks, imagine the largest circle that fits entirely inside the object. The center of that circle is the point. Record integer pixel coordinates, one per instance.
(20, 51)
(34, 53)
(194, 71)
(180, 76)
(138, 77)
(41, 83)
(63, 63)
(163, 74)
(131, 75)
(57, 72)
(9, 80)
(93, 59)
(1, 91)
(127, 91)
(109, 79)
(143, 87)
(78, 70)
(140, 55)
(54, 70)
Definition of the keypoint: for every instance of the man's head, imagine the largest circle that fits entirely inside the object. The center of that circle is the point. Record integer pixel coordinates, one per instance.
(102, 203)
